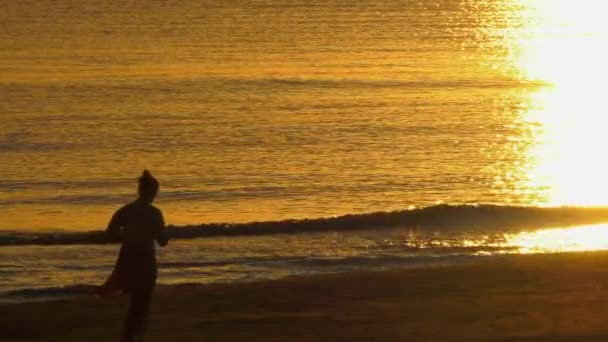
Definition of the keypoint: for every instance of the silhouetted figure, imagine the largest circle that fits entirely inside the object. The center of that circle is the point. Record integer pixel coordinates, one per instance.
(137, 224)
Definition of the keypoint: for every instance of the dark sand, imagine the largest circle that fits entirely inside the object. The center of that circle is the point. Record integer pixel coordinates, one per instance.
(518, 298)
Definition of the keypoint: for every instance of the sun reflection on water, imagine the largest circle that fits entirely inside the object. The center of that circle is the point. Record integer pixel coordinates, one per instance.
(562, 44)
(583, 238)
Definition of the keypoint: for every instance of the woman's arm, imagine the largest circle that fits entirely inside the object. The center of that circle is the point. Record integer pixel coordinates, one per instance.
(161, 231)
(114, 230)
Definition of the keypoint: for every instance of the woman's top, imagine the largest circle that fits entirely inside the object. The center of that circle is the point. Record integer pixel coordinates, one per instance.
(137, 224)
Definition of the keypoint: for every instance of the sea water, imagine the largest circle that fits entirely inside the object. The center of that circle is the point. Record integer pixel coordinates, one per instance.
(276, 110)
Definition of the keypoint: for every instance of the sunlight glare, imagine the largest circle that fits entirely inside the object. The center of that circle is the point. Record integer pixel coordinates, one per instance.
(564, 45)
(583, 238)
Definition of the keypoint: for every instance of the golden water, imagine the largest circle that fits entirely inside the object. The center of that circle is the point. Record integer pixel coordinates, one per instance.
(251, 110)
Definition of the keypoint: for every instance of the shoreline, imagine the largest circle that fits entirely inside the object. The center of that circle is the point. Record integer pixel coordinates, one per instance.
(519, 297)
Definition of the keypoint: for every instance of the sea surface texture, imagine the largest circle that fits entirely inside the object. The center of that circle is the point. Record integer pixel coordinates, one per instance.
(275, 110)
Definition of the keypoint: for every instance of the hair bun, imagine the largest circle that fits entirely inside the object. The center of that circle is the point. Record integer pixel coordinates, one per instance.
(148, 185)
(146, 176)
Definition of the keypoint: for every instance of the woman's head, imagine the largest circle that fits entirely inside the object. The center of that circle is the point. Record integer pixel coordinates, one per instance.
(148, 186)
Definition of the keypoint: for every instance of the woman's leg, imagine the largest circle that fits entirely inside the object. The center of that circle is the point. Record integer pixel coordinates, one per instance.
(137, 317)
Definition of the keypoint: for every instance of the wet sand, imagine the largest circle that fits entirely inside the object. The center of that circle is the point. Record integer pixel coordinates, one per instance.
(528, 297)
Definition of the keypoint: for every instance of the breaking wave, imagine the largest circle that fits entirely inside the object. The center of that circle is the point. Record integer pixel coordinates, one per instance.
(480, 217)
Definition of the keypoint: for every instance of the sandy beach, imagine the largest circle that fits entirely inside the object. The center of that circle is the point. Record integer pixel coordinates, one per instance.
(525, 297)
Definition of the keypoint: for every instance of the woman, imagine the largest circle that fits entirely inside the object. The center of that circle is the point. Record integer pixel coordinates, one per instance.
(137, 224)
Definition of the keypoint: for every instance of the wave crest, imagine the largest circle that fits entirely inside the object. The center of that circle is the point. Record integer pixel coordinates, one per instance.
(478, 217)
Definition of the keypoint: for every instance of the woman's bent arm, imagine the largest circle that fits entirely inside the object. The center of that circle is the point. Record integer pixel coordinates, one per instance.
(114, 230)
(161, 231)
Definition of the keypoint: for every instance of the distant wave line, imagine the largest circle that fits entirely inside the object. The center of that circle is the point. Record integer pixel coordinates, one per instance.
(151, 85)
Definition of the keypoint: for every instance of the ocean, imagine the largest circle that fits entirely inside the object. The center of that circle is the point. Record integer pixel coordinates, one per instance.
(299, 113)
